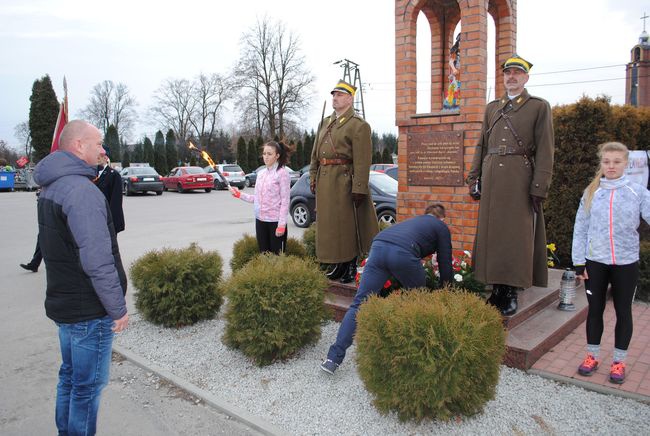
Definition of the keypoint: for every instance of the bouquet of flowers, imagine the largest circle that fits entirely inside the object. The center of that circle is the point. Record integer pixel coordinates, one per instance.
(463, 277)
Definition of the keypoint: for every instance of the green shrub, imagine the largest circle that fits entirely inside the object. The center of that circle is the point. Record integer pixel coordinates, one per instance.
(178, 287)
(246, 248)
(309, 241)
(643, 287)
(275, 306)
(429, 354)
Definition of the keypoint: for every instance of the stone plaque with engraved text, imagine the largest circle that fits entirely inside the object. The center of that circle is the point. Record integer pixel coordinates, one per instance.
(435, 159)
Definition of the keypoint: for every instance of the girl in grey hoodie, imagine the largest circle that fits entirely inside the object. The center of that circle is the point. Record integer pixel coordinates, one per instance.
(606, 251)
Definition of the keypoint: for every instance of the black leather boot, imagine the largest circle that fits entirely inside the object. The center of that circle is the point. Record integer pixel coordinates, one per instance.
(496, 298)
(350, 272)
(509, 306)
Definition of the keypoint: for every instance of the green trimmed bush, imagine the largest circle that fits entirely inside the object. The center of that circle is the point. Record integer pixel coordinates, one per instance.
(178, 287)
(309, 241)
(643, 287)
(429, 354)
(246, 248)
(275, 306)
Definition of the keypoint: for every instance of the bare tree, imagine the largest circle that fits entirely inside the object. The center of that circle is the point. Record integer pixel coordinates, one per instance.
(111, 104)
(209, 94)
(24, 136)
(174, 106)
(274, 84)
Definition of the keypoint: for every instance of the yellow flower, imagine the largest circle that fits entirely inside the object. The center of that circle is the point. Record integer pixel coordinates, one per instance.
(551, 247)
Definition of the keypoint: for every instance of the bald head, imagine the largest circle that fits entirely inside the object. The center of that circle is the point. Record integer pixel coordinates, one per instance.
(81, 139)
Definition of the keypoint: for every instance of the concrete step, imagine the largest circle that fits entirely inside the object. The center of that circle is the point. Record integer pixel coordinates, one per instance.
(338, 304)
(535, 299)
(531, 339)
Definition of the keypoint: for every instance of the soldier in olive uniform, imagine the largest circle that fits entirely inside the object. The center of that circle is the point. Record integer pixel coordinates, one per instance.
(514, 163)
(340, 166)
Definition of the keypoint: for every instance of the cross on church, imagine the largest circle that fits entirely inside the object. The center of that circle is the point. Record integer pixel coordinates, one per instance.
(643, 18)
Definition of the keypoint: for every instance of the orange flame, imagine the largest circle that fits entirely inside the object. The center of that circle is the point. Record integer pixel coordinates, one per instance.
(204, 154)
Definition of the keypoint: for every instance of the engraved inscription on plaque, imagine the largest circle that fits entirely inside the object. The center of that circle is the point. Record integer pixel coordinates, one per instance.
(435, 159)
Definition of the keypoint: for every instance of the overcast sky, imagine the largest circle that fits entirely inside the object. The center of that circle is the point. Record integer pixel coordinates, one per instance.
(143, 42)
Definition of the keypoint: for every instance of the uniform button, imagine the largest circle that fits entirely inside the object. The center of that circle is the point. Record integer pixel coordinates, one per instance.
(500, 164)
(505, 128)
(537, 185)
(503, 139)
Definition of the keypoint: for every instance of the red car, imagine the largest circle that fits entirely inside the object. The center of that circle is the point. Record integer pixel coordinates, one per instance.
(381, 167)
(185, 179)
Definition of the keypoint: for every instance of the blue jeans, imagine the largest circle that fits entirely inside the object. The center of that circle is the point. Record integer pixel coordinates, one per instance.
(384, 260)
(86, 360)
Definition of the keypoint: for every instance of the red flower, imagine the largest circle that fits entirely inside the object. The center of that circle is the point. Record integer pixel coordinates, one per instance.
(387, 284)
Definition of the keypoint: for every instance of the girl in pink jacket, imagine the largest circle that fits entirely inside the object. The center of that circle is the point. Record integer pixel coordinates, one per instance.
(271, 198)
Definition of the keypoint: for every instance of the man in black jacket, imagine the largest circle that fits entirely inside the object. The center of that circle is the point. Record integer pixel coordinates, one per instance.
(110, 183)
(86, 282)
(397, 251)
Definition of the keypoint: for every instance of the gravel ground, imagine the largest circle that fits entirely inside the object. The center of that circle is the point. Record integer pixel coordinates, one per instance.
(298, 397)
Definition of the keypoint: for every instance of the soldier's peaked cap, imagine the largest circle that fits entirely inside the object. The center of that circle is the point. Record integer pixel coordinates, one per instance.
(344, 86)
(517, 62)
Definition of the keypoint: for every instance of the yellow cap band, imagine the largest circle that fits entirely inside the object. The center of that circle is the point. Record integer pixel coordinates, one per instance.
(345, 87)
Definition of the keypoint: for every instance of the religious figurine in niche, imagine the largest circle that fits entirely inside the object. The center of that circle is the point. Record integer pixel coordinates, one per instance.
(452, 98)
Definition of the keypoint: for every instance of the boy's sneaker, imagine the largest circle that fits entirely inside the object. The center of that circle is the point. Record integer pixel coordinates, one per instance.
(617, 373)
(588, 366)
(329, 366)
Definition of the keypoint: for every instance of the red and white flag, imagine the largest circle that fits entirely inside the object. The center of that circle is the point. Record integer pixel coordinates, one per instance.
(62, 119)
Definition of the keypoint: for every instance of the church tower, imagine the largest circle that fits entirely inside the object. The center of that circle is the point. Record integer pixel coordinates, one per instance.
(637, 73)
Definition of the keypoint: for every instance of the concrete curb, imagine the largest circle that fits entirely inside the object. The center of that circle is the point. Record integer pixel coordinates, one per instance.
(235, 412)
(591, 386)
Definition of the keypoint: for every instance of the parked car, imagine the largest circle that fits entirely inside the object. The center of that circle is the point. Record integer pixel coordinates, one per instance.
(141, 179)
(234, 174)
(383, 189)
(392, 172)
(381, 167)
(251, 178)
(185, 179)
(220, 182)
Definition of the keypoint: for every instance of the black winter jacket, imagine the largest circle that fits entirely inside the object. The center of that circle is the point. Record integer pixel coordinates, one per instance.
(85, 277)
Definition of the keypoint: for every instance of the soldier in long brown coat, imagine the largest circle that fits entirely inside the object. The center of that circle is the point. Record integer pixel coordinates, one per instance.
(340, 167)
(514, 163)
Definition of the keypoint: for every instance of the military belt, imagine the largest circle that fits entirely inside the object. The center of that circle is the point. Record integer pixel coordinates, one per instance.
(337, 161)
(503, 150)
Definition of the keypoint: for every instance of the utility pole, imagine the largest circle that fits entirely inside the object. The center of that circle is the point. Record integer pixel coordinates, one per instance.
(352, 75)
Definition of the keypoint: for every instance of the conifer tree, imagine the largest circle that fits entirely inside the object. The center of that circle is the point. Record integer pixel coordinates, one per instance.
(160, 158)
(386, 157)
(299, 156)
(258, 152)
(309, 144)
(138, 153)
(252, 156)
(148, 152)
(112, 144)
(43, 112)
(293, 159)
(126, 158)
(242, 154)
(171, 153)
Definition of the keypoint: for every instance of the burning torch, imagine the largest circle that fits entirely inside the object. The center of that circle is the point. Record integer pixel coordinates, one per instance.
(208, 159)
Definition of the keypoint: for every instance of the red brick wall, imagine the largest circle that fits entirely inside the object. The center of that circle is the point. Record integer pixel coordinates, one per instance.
(462, 211)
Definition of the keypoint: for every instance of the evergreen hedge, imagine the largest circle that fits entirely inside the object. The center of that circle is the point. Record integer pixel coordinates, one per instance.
(309, 241)
(178, 287)
(643, 287)
(246, 248)
(429, 354)
(275, 306)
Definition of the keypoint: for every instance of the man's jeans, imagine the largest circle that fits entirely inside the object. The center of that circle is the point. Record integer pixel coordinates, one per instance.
(86, 354)
(384, 260)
